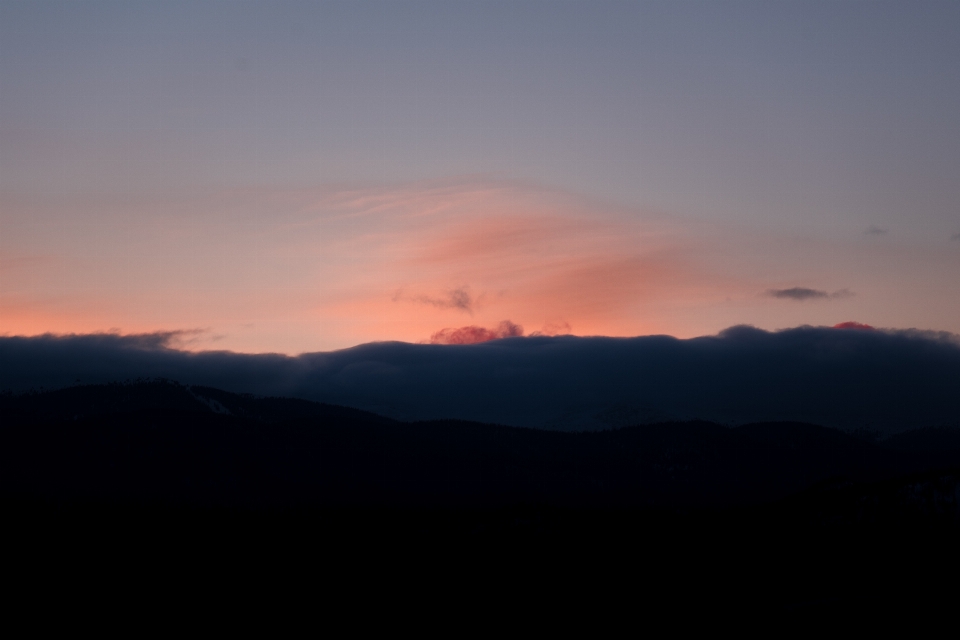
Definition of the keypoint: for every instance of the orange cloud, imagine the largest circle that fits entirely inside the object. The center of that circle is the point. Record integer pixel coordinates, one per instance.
(473, 334)
(853, 325)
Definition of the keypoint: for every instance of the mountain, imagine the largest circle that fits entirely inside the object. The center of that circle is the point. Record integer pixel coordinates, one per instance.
(154, 478)
(172, 443)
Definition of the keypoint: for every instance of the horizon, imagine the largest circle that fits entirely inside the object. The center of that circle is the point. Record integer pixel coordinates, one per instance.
(848, 378)
(184, 340)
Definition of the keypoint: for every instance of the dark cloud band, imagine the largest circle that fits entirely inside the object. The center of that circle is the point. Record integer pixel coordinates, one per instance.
(877, 379)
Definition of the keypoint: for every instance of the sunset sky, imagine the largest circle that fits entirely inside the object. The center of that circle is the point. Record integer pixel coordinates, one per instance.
(296, 177)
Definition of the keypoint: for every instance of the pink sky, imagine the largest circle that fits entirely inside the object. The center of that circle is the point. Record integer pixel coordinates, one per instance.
(317, 269)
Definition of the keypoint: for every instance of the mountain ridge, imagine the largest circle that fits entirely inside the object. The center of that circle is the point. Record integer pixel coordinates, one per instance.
(157, 439)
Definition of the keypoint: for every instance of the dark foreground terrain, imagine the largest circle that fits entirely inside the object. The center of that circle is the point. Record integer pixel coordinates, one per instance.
(152, 477)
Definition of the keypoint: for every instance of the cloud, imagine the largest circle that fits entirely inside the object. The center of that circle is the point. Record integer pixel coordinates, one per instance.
(876, 231)
(802, 293)
(887, 380)
(854, 325)
(797, 293)
(153, 342)
(473, 335)
(955, 237)
(453, 299)
(554, 329)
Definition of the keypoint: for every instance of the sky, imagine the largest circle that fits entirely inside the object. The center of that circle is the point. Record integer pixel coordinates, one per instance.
(298, 177)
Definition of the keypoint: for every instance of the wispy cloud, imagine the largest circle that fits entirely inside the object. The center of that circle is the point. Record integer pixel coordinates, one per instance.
(558, 328)
(955, 237)
(536, 255)
(874, 230)
(459, 298)
(803, 293)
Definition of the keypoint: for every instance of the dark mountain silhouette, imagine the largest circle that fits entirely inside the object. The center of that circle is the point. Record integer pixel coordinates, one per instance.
(162, 441)
(798, 516)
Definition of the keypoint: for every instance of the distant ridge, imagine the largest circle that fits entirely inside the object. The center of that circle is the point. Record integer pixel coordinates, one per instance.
(160, 440)
(148, 477)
